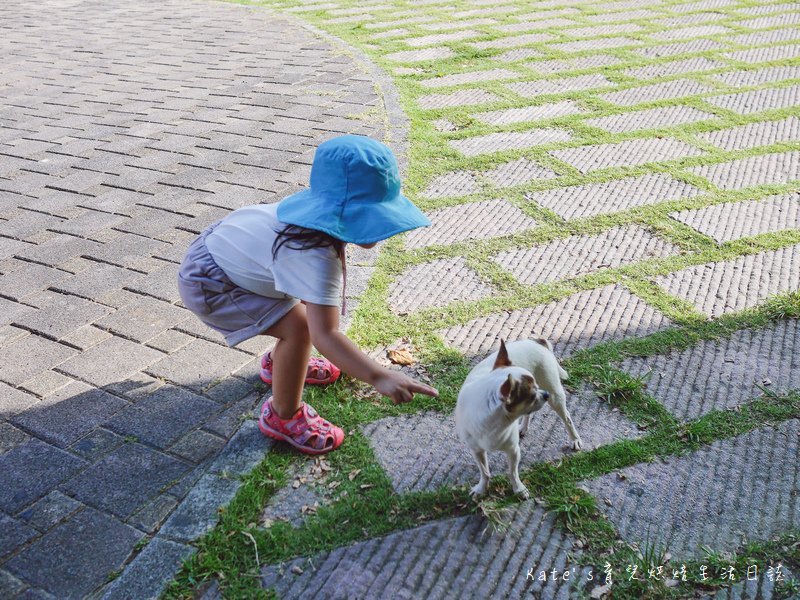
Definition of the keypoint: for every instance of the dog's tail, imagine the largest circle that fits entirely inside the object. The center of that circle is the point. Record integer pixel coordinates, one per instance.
(545, 343)
(562, 373)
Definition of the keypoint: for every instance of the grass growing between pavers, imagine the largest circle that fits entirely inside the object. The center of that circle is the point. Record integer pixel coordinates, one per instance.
(366, 506)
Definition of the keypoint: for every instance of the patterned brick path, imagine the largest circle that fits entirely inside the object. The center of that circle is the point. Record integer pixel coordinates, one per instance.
(125, 129)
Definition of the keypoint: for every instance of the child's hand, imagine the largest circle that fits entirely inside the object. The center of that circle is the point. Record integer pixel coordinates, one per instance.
(401, 388)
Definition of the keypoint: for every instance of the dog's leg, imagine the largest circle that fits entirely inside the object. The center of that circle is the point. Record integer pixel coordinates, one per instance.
(513, 468)
(558, 402)
(483, 467)
(524, 421)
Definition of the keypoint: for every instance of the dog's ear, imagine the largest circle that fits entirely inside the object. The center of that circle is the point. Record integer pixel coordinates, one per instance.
(502, 357)
(505, 389)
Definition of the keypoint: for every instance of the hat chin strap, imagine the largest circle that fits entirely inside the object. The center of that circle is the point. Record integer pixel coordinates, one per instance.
(344, 277)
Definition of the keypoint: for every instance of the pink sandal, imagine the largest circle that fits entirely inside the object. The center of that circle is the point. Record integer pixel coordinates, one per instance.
(320, 370)
(306, 430)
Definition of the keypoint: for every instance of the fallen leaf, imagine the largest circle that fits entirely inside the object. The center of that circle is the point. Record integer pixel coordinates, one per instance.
(297, 570)
(401, 357)
(366, 486)
(600, 591)
(353, 474)
(296, 484)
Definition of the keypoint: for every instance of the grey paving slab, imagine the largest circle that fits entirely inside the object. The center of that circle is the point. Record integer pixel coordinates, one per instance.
(578, 321)
(533, 25)
(580, 255)
(199, 363)
(473, 221)
(598, 44)
(626, 154)
(443, 282)
(118, 358)
(125, 479)
(467, 97)
(499, 142)
(733, 220)
(29, 279)
(59, 315)
(420, 562)
(14, 401)
(49, 511)
(441, 38)
(162, 417)
(780, 167)
(36, 468)
(529, 113)
(517, 172)
(420, 55)
(701, 45)
(519, 54)
(753, 77)
(15, 534)
(763, 133)
(455, 183)
(558, 65)
(686, 502)
(758, 38)
(199, 511)
(68, 414)
(98, 545)
(768, 54)
(148, 574)
(747, 103)
(745, 282)
(652, 118)
(29, 356)
(677, 67)
(422, 451)
(531, 89)
(678, 88)
(722, 374)
(512, 41)
(469, 77)
(143, 319)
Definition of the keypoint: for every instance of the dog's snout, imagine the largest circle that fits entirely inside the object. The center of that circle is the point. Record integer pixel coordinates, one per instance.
(545, 395)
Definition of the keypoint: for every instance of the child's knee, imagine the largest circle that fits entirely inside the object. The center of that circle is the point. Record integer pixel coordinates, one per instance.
(293, 326)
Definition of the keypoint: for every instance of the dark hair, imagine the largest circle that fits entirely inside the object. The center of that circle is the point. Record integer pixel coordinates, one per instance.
(301, 238)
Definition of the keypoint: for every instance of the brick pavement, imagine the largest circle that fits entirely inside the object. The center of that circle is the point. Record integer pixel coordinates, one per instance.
(124, 130)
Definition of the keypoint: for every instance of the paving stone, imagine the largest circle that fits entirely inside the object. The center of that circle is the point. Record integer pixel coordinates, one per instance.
(733, 220)
(199, 364)
(159, 284)
(531, 89)
(98, 544)
(723, 287)
(15, 534)
(29, 279)
(10, 311)
(702, 17)
(69, 414)
(677, 67)
(601, 30)
(530, 113)
(98, 281)
(11, 437)
(54, 252)
(689, 32)
(758, 76)
(518, 54)
(163, 416)
(517, 172)
(125, 479)
(684, 503)
(60, 314)
(446, 281)
(128, 250)
(776, 21)
(701, 45)
(109, 362)
(756, 170)
(468, 97)
(436, 457)
(37, 468)
(678, 88)
(702, 5)
(85, 337)
(446, 26)
(475, 221)
(532, 25)
(759, 38)
(598, 44)
(197, 445)
(45, 383)
(150, 572)
(768, 54)
(98, 443)
(144, 319)
(10, 584)
(499, 142)
(765, 9)
(652, 118)
(470, 77)
(578, 321)
(30, 355)
(9, 335)
(49, 511)
(512, 41)
(243, 452)
(291, 504)
(626, 154)
(151, 516)
(747, 103)
(198, 512)
(763, 133)
(14, 401)
(455, 183)
(420, 55)
(424, 559)
(582, 254)
(723, 374)
(573, 64)
(441, 38)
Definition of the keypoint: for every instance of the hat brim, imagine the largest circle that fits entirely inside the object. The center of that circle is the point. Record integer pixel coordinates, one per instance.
(358, 223)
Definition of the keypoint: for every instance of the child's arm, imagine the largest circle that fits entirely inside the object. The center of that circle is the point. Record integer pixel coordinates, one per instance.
(323, 325)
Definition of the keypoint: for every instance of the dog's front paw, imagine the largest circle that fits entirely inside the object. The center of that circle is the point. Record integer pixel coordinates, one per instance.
(577, 444)
(478, 490)
(522, 491)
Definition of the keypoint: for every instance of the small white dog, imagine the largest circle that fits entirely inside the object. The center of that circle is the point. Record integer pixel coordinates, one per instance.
(508, 385)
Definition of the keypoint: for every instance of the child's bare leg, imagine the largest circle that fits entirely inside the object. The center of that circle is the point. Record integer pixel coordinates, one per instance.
(290, 361)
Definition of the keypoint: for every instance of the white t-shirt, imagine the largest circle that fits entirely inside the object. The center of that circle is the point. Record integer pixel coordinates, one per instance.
(242, 247)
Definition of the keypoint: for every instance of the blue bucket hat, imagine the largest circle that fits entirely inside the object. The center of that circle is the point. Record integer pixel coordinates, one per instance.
(354, 195)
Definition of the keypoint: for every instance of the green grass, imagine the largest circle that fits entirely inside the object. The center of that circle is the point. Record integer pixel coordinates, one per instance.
(367, 506)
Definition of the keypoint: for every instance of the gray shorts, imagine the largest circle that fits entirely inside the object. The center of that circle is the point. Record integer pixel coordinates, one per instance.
(219, 303)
